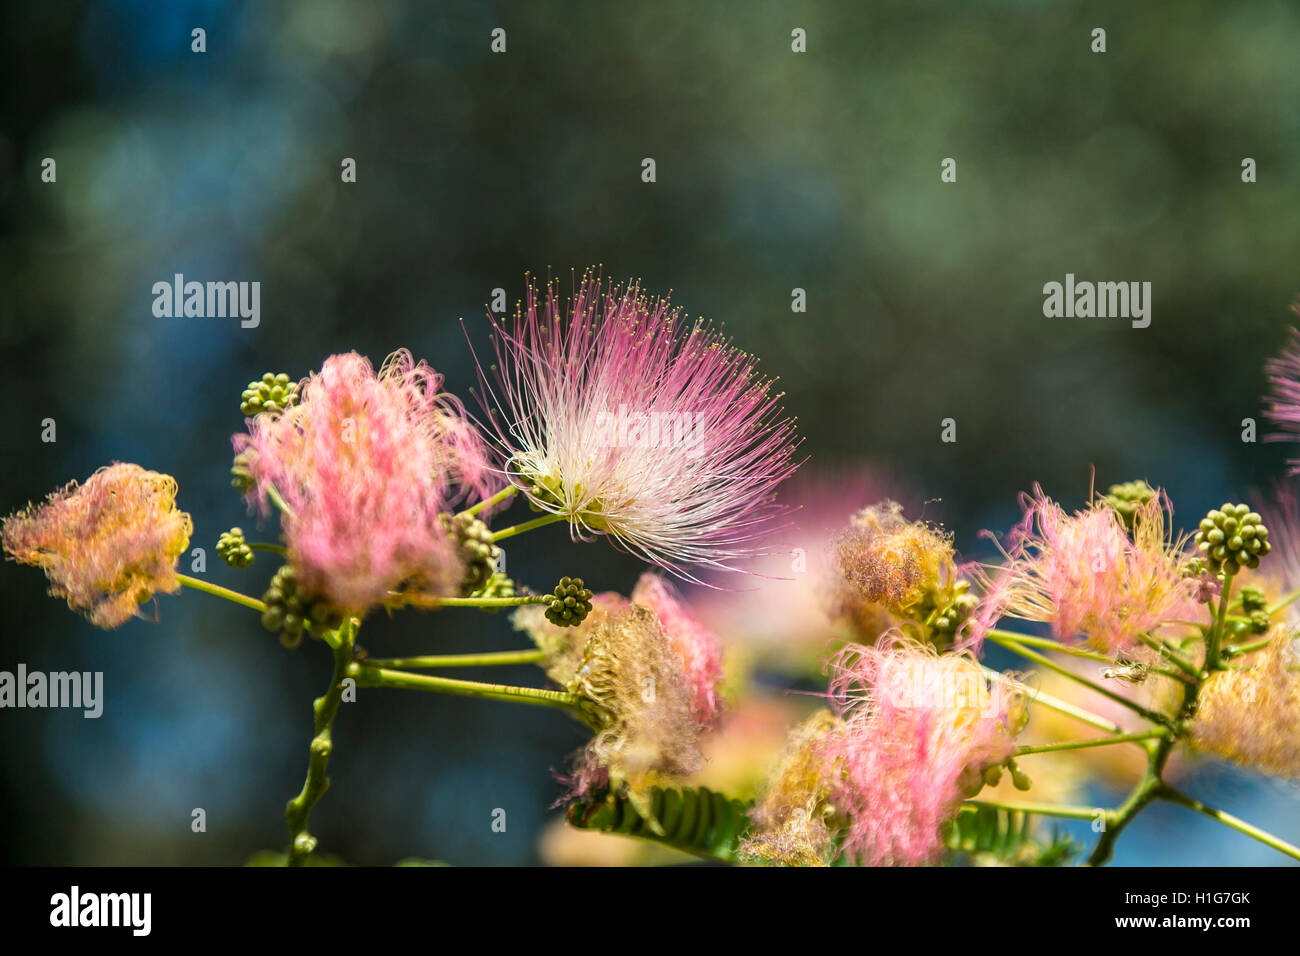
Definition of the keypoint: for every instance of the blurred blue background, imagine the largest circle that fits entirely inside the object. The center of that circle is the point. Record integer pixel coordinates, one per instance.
(775, 170)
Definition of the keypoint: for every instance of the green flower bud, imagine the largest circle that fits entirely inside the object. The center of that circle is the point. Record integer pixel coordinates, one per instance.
(1231, 538)
(498, 586)
(570, 603)
(477, 552)
(233, 549)
(1252, 599)
(272, 393)
(241, 477)
(291, 611)
(1126, 498)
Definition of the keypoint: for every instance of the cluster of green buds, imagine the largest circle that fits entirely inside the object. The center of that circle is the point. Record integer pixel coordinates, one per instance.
(498, 586)
(1252, 604)
(241, 476)
(954, 612)
(233, 549)
(272, 393)
(1232, 537)
(290, 610)
(1126, 498)
(477, 552)
(570, 603)
(943, 610)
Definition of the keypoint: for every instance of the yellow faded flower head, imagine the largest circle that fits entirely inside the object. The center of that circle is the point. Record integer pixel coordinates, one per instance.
(887, 561)
(792, 819)
(1251, 715)
(632, 677)
(106, 546)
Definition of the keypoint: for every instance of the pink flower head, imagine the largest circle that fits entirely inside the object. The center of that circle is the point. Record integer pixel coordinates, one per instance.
(1281, 515)
(917, 731)
(106, 546)
(1284, 405)
(366, 463)
(1088, 577)
(696, 647)
(628, 421)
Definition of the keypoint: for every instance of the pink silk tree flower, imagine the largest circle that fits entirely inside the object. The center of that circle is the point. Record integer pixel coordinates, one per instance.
(1089, 577)
(626, 420)
(697, 648)
(1281, 574)
(106, 546)
(366, 463)
(1283, 408)
(917, 731)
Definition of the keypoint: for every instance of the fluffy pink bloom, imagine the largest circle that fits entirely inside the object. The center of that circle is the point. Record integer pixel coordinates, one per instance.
(1281, 516)
(628, 421)
(917, 731)
(1284, 403)
(691, 641)
(1088, 577)
(366, 463)
(106, 546)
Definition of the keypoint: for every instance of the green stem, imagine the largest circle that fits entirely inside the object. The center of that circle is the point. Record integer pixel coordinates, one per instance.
(515, 529)
(427, 601)
(1049, 644)
(1240, 650)
(371, 676)
(1151, 785)
(298, 810)
(1168, 653)
(499, 497)
(496, 658)
(273, 548)
(1215, 640)
(218, 591)
(1008, 640)
(1042, 809)
(1117, 820)
(1056, 704)
(491, 602)
(1228, 820)
(1284, 602)
(1138, 737)
(276, 500)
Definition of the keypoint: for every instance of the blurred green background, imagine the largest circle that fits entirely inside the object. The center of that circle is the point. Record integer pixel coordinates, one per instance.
(775, 171)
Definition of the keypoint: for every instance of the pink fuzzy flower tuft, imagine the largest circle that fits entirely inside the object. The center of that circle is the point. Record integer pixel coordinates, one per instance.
(1089, 577)
(1284, 403)
(366, 463)
(1282, 517)
(628, 421)
(106, 546)
(698, 649)
(917, 731)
